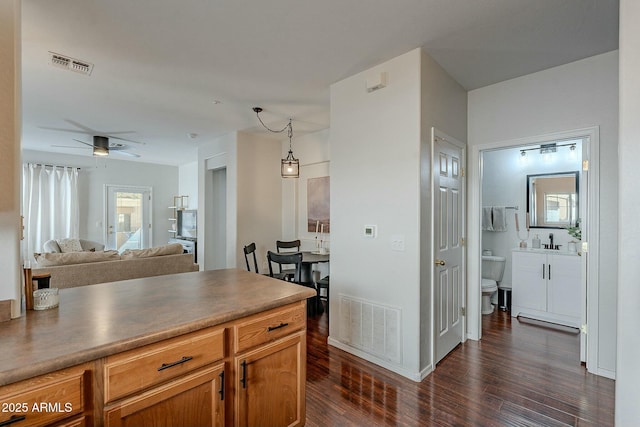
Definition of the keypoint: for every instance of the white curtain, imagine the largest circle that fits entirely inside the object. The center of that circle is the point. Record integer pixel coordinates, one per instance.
(49, 205)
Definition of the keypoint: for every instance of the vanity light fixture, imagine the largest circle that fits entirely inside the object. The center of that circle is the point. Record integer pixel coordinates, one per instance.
(523, 157)
(547, 150)
(289, 166)
(572, 152)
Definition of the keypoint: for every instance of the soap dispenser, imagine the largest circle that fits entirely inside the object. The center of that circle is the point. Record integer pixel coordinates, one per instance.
(535, 243)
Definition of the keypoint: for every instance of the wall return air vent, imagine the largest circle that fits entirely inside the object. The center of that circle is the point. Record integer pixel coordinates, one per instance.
(71, 64)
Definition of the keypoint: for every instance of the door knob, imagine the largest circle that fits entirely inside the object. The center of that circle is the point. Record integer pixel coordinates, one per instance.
(439, 262)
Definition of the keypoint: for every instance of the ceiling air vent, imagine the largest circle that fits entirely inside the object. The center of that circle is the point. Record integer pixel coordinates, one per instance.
(71, 64)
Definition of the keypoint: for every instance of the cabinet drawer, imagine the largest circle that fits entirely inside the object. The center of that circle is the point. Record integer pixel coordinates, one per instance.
(44, 400)
(268, 326)
(138, 369)
(196, 399)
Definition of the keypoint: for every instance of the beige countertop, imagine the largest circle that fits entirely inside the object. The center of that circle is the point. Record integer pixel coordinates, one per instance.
(99, 320)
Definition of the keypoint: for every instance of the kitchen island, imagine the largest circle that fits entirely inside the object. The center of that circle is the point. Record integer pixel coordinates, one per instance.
(222, 347)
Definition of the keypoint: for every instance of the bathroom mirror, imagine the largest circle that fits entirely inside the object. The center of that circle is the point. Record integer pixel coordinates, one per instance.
(552, 199)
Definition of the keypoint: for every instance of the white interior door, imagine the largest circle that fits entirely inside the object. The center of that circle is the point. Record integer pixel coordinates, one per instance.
(448, 250)
(128, 217)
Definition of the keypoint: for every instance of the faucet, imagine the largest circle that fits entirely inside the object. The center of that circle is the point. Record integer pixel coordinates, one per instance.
(551, 241)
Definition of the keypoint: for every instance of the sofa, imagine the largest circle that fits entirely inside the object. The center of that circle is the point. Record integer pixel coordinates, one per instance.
(73, 269)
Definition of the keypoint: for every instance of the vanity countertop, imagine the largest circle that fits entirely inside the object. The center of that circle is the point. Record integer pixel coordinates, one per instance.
(99, 320)
(546, 251)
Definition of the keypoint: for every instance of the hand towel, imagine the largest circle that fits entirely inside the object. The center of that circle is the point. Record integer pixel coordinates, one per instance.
(487, 222)
(499, 222)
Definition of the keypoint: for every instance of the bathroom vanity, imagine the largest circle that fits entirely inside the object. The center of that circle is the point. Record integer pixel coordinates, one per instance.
(546, 285)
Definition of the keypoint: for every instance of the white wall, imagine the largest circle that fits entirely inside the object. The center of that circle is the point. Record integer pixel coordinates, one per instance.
(380, 174)
(260, 196)
(443, 106)
(375, 174)
(313, 152)
(253, 197)
(10, 119)
(96, 173)
(212, 155)
(188, 183)
(577, 95)
(628, 369)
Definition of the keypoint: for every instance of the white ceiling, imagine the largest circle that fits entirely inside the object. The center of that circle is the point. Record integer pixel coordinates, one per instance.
(160, 64)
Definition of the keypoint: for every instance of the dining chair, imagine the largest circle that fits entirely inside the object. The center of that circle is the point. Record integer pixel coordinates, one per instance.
(287, 247)
(322, 284)
(250, 249)
(294, 259)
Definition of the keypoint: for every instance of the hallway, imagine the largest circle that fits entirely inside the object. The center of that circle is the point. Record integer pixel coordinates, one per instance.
(517, 375)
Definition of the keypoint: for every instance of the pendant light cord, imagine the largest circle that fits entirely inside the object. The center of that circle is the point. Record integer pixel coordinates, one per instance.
(288, 126)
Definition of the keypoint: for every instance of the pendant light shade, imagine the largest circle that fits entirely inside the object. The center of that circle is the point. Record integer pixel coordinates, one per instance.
(289, 166)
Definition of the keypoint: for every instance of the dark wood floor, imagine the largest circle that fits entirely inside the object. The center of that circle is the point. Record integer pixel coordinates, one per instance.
(517, 375)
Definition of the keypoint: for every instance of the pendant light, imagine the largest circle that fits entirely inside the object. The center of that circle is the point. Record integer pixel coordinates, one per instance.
(289, 166)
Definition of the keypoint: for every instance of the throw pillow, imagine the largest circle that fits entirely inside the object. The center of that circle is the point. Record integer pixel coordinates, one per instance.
(69, 245)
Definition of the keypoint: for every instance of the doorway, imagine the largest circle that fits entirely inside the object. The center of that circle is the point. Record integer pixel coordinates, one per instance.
(128, 217)
(216, 219)
(502, 177)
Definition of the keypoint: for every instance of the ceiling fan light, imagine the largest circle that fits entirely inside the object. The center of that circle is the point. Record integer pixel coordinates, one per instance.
(100, 151)
(100, 146)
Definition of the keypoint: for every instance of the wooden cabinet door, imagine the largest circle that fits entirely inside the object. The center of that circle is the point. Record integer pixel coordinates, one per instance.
(270, 384)
(529, 281)
(193, 400)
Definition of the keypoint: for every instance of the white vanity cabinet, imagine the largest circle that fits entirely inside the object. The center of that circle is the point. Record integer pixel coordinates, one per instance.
(546, 286)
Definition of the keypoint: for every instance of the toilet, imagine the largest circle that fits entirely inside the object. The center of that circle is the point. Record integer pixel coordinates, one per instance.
(492, 271)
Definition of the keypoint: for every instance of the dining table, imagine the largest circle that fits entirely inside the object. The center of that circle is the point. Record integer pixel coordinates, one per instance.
(308, 259)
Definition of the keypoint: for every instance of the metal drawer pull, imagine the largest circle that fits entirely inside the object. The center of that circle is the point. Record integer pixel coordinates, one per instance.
(172, 364)
(13, 419)
(243, 380)
(221, 391)
(273, 328)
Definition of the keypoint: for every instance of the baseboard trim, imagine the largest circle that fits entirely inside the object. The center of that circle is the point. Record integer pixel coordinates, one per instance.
(607, 373)
(5, 310)
(413, 376)
(547, 323)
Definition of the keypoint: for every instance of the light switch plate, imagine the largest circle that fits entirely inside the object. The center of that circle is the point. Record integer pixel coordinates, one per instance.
(397, 242)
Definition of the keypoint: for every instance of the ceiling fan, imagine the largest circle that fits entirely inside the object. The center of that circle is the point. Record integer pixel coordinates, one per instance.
(101, 144)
